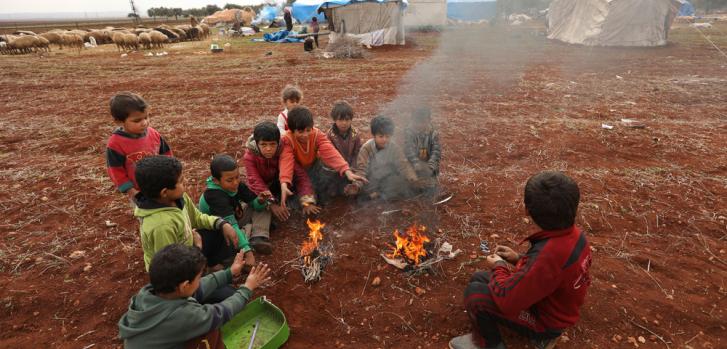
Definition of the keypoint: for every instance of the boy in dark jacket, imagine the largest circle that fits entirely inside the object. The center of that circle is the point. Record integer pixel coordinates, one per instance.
(224, 197)
(421, 146)
(346, 140)
(167, 313)
(540, 293)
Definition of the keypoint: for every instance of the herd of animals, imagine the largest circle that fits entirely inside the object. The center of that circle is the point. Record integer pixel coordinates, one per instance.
(22, 42)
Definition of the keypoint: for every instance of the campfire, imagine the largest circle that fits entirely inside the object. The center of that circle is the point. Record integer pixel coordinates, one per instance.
(411, 245)
(313, 255)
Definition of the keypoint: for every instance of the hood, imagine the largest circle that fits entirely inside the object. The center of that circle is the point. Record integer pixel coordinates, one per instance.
(146, 206)
(146, 311)
(251, 145)
(211, 185)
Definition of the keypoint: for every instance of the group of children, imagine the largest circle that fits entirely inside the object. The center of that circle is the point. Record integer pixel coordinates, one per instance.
(220, 235)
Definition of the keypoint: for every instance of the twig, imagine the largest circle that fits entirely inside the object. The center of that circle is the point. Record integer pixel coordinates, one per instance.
(650, 331)
(693, 338)
(406, 323)
(367, 280)
(340, 319)
(83, 335)
(90, 346)
(57, 257)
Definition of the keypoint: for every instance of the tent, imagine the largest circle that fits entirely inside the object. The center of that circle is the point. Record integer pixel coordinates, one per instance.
(612, 22)
(421, 13)
(304, 10)
(471, 10)
(230, 16)
(687, 9)
(373, 23)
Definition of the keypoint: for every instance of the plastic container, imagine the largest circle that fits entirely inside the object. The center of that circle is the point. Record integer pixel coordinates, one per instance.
(272, 331)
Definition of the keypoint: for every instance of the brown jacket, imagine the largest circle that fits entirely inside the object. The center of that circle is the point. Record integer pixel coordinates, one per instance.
(373, 161)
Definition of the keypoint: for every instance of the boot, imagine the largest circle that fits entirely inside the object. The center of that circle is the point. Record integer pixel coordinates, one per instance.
(465, 342)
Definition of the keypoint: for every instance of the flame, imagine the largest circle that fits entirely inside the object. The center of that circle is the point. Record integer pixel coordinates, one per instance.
(314, 236)
(411, 244)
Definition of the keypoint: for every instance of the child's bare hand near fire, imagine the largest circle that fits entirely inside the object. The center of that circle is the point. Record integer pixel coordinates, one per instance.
(492, 260)
(351, 189)
(311, 209)
(259, 275)
(507, 253)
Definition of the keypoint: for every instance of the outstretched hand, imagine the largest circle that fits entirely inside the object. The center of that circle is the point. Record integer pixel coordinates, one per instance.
(507, 253)
(259, 275)
(354, 177)
(284, 194)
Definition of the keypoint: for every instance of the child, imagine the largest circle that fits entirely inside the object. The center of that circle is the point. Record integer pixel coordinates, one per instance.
(131, 141)
(346, 140)
(291, 97)
(223, 198)
(167, 214)
(542, 295)
(166, 313)
(310, 148)
(382, 162)
(421, 146)
(262, 165)
(315, 28)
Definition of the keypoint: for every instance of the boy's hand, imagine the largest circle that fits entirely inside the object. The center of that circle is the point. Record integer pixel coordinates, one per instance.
(131, 193)
(230, 235)
(310, 209)
(507, 253)
(264, 196)
(354, 177)
(259, 275)
(249, 258)
(239, 263)
(280, 212)
(374, 195)
(284, 193)
(197, 239)
(351, 189)
(491, 260)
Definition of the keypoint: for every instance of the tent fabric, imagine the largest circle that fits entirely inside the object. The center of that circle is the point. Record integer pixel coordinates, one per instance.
(471, 10)
(687, 9)
(229, 16)
(373, 23)
(281, 36)
(612, 22)
(305, 10)
(420, 13)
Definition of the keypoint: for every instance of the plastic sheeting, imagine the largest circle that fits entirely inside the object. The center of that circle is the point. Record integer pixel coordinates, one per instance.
(612, 22)
(687, 9)
(471, 10)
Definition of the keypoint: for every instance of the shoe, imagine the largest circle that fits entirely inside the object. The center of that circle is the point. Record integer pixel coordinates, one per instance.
(465, 342)
(261, 245)
(545, 343)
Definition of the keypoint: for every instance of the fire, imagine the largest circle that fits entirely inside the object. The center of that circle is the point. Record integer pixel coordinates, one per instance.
(314, 236)
(411, 244)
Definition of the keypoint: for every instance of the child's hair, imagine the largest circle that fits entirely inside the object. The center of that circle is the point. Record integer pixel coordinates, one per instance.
(292, 93)
(124, 103)
(551, 199)
(299, 118)
(314, 19)
(341, 111)
(154, 173)
(222, 163)
(174, 264)
(422, 115)
(382, 125)
(266, 131)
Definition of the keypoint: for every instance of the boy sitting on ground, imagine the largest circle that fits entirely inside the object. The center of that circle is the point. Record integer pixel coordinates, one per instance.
(381, 161)
(167, 214)
(224, 197)
(421, 146)
(346, 140)
(310, 148)
(133, 140)
(291, 96)
(540, 293)
(262, 166)
(166, 313)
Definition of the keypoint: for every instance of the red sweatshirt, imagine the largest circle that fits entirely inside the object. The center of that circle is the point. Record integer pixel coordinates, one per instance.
(550, 280)
(305, 155)
(262, 172)
(124, 150)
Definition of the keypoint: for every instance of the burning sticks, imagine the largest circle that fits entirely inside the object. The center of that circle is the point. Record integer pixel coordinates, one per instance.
(414, 251)
(314, 256)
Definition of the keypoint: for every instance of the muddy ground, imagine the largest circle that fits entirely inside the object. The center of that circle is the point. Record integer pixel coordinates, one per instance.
(653, 198)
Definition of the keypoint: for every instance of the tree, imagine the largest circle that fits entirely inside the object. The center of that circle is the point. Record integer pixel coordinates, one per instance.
(232, 6)
(176, 12)
(210, 9)
(152, 12)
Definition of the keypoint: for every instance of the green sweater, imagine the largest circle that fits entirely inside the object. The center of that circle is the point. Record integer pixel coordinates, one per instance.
(164, 225)
(153, 322)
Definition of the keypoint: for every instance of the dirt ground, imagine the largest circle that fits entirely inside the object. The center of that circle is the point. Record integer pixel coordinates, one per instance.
(652, 199)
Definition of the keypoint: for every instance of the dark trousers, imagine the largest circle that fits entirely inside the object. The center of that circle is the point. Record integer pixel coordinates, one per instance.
(486, 316)
(215, 249)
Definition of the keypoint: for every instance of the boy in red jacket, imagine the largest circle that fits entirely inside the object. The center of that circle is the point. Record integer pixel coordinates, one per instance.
(538, 294)
(133, 140)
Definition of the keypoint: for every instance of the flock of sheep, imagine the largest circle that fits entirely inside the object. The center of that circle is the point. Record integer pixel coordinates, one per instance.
(22, 42)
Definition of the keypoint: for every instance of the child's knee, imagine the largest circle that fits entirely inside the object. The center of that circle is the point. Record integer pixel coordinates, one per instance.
(480, 276)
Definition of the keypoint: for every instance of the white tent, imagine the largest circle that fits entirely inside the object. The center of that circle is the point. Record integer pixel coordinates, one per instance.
(612, 22)
(425, 13)
(373, 23)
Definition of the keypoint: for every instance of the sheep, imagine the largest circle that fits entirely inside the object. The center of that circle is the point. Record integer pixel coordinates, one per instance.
(53, 38)
(145, 40)
(158, 38)
(23, 44)
(43, 43)
(24, 32)
(118, 39)
(73, 40)
(205, 30)
(191, 32)
(171, 36)
(131, 41)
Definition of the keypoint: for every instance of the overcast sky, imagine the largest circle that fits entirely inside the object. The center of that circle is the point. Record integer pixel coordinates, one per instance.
(91, 6)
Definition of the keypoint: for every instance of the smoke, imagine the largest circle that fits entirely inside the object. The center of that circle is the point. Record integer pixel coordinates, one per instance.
(268, 13)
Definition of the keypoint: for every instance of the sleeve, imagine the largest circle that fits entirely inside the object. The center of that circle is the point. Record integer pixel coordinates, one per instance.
(287, 161)
(356, 150)
(362, 161)
(410, 148)
(198, 219)
(303, 185)
(533, 279)
(116, 166)
(254, 181)
(246, 195)
(211, 282)
(405, 166)
(219, 204)
(282, 123)
(436, 153)
(330, 155)
(164, 148)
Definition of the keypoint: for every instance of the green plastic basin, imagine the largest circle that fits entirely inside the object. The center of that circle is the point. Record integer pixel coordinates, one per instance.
(272, 332)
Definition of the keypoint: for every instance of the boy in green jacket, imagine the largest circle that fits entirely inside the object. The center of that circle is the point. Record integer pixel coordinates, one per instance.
(224, 197)
(167, 312)
(167, 214)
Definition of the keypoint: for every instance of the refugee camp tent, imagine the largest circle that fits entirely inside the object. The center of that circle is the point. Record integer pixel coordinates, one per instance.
(612, 22)
(373, 22)
(471, 10)
(305, 10)
(687, 9)
(229, 16)
(422, 13)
